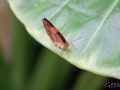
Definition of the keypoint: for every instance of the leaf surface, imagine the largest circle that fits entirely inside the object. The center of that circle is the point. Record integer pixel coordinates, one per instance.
(97, 21)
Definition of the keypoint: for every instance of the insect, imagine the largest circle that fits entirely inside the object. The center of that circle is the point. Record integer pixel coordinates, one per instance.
(56, 37)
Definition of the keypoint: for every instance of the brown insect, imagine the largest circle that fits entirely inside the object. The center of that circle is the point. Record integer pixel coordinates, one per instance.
(55, 36)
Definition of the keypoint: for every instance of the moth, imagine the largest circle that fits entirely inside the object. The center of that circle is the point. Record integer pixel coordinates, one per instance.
(55, 36)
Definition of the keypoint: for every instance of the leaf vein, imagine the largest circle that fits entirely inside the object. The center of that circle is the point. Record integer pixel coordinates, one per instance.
(104, 19)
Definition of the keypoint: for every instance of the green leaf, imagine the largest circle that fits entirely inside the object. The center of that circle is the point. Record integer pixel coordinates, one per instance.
(92, 81)
(24, 52)
(5, 81)
(97, 21)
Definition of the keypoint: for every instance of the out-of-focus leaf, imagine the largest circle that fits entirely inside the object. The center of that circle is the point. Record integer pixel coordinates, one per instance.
(24, 52)
(5, 83)
(89, 81)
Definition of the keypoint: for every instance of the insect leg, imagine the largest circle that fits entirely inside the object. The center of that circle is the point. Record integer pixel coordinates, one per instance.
(72, 45)
(67, 53)
(61, 52)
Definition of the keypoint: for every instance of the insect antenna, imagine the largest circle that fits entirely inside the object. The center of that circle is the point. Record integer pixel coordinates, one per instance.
(75, 39)
(72, 41)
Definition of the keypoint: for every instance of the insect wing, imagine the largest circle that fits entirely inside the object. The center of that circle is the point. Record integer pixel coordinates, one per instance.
(54, 34)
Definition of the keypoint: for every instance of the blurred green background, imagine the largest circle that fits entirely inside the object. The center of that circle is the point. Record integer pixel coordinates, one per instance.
(27, 65)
